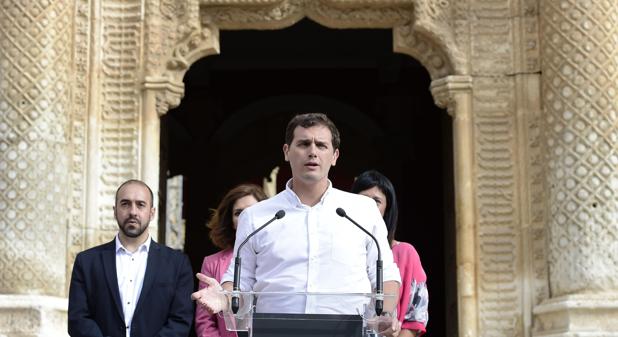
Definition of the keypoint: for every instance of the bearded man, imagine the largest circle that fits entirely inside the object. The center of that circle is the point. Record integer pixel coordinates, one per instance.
(131, 286)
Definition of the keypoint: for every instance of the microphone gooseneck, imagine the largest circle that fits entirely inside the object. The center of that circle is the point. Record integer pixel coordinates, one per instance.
(379, 280)
(238, 261)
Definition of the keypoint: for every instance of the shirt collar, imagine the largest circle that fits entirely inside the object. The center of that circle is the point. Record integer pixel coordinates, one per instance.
(295, 200)
(143, 247)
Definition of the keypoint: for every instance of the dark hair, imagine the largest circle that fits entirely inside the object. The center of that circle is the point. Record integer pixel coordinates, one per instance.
(312, 119)
(373, 178)
(135, 181)
(222, 232)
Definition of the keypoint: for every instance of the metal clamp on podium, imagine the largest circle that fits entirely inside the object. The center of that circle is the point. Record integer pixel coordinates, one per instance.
(306, 314)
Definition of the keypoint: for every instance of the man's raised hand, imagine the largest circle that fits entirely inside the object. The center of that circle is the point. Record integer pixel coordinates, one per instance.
(211, 296)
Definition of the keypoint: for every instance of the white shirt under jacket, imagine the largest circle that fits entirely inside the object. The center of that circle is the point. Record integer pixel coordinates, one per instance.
(130, 270)
(312, 249)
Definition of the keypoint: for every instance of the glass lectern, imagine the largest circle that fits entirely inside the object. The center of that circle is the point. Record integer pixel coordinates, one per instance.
(306, 314)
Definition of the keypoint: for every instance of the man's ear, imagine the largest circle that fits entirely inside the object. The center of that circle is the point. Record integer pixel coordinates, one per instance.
(286, 148)
(152, 212)
(335, 156)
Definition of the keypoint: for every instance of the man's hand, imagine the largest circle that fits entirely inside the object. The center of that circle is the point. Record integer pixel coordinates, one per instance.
(392, 330)
(385, 326)
(210, 297)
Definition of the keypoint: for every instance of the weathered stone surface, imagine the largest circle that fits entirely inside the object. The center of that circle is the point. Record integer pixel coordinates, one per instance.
(531, 89)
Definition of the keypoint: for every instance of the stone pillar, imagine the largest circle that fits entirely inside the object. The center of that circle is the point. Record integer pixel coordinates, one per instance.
(580, 87)
(35, 87)
(455, 94)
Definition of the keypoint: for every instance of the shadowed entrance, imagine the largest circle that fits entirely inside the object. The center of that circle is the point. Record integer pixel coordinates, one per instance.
(230, 125)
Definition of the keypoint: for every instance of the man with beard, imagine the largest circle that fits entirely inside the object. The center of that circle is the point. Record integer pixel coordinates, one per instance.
(131, 286)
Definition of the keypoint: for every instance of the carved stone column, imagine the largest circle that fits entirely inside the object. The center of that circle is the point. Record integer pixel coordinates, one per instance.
(35, 68)
(455, 94)
(580, 88)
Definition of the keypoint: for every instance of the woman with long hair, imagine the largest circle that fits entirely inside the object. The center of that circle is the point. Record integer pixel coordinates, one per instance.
(413, 295)
(222, 226)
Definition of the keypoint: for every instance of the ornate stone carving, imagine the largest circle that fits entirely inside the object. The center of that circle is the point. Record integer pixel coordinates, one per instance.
(430, 38)
(499, 234)
(283, 13)
(168, 94)
(121, 104)
(78, 134)
(580, 82)
(445, 89)
(147, 46)
(174, 223)
(432, 56)
(198, 44)
(35, 95)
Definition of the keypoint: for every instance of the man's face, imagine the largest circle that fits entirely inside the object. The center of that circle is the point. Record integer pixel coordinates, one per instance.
(133, 210)
(311, 153)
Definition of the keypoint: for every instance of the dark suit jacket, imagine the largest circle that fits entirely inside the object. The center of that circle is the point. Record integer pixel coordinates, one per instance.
(164, 307)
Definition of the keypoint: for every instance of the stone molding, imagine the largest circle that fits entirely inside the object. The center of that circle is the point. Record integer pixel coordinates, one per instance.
(577, 315)
(33, 315)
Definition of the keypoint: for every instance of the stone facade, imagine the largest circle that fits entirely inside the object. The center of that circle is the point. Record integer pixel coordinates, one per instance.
(531, 87)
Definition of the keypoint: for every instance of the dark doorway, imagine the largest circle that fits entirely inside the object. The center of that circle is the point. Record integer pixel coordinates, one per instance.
(229, 129)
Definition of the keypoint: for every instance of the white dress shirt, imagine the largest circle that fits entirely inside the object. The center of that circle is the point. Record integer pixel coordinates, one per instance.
(130, 270)
(312, 249)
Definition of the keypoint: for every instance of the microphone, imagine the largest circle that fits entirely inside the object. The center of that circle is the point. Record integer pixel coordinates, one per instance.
(379, 281)
(237, 262)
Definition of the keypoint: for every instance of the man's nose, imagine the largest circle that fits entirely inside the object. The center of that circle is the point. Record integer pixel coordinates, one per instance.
(133, 209)
(313, 150)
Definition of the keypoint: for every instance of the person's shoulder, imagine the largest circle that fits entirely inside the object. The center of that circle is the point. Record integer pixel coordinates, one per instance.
(222, 254)
(357, 206)
(267, 205)
(405, 249)
(213, 260)
(351, 198)
(177, 253)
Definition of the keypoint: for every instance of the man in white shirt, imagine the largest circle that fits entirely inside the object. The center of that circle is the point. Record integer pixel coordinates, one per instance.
(131, 286)
(311, 249)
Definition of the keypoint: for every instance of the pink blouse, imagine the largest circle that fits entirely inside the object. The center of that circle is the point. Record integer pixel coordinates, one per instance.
(413, 295)
(207, 325)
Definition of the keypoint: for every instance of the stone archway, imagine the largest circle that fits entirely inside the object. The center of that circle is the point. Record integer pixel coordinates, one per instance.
(421, 29)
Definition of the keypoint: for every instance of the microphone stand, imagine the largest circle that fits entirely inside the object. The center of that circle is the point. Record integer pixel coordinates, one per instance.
(237, 262)
(379, 268)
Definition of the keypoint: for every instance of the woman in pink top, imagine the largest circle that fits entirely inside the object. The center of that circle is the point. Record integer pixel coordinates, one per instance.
(222, 226)
(413, 295)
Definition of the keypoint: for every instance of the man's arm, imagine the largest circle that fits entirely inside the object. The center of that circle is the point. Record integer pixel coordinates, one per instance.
(180, 314)
(80, 321)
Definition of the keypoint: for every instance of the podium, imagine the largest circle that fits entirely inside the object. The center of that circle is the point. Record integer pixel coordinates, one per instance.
(306, 314)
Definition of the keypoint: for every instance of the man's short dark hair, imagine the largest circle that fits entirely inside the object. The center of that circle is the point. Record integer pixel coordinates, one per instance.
(312, 119)
(135, 181)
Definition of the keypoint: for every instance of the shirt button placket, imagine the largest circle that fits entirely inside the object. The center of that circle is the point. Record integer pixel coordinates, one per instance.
(311, 263)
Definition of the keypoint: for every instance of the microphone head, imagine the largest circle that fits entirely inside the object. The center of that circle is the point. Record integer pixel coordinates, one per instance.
(340, 212)
(280, 214)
